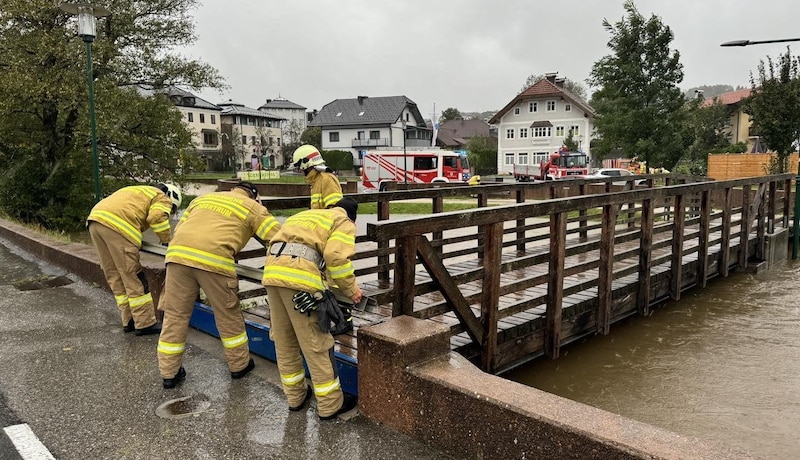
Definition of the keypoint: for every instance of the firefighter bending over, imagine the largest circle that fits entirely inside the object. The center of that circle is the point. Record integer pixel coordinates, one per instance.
(326, 190)
(214, 228)
(116, 225)
(309, 243)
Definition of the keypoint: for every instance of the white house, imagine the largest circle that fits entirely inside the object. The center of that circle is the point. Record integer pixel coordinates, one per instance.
(204, 120)
(368, 123)
(294, 116)
(249, 133)
(536, 122)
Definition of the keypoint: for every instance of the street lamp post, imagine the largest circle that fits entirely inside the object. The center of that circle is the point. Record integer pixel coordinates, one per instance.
(796, 220)
(87, 13)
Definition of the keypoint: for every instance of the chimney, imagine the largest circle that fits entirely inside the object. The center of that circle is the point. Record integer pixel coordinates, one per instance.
(560, 82)
(551, 77)
(361, 100)
(268, 101)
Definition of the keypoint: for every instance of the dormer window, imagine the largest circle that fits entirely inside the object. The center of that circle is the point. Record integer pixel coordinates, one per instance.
(188, 101)
(360, 114)
(339, 114)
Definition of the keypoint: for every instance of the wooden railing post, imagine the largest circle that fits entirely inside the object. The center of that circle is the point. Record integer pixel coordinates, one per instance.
(645, 258)
(555, 284)
(404, 272)
(676, 270)
(583, 234)
(773, 194)
(744, 228)
(383, 214)
(761, 217)
(725, 240)
(438, 207)
(787, 202)
(702, 239)
(490, 296)
(520, 193)
(483, 201)
(606, 271)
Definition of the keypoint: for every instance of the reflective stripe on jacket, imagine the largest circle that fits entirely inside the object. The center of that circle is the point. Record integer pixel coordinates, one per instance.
(132, 210)
(332, 234)
(326, 190)
(215, 227)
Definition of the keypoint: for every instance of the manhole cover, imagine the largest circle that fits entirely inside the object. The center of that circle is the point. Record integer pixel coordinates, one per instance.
(184, 407)
(44, 282)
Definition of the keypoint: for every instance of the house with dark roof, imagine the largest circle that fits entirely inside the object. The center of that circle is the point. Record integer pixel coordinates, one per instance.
(740, 126)
(369, 123)
(251, 136)
(536, 121)
(293, 114)
(455, 134)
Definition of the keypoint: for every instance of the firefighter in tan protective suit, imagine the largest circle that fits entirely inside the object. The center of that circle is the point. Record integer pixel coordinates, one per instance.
(116, 225)
(326, 190)
(214, 228)
(293, 271)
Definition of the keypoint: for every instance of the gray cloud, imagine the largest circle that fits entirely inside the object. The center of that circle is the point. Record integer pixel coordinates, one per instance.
(470, 54)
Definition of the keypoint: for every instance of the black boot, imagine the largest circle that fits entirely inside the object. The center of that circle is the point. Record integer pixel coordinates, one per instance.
(239, 374)
(149, 330)
(171, 383)
(129, 327)
(350, 402)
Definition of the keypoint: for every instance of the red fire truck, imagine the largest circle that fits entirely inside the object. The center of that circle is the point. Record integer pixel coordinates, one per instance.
(562, 164)
(413, 166)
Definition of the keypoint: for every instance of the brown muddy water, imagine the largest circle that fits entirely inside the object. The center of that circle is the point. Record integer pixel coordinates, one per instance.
(722, 364)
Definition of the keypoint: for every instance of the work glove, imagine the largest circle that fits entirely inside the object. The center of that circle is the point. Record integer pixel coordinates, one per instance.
(305, 302)
(330, 311)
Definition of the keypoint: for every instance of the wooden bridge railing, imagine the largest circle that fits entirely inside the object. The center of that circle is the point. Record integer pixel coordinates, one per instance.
(561, 249)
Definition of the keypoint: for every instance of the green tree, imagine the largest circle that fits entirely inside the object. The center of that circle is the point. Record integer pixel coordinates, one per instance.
(482, 154)
(45, 152)
(638, 106)
(774, 106)
(313, 136)
(572, 86)
(704, 132)
(570, 143)
(450, 114)
(338, 160)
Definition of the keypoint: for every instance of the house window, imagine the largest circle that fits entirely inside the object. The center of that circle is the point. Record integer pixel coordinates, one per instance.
(407, 117)
(516, 110)
(253, 140)
(559, 131)
(575, 129)
(244, 140)
(523, 158)
(190, 116)
(333, 136)
(533, 107)
(523, 133)
(510, 133)
(540, 157)
(542, 131)
(509, 159)
(209, 139)
(213, 119)
(375, 134)
(360, 135)
(202, 118)
(551, 106)
(568, 107)
(278, 141)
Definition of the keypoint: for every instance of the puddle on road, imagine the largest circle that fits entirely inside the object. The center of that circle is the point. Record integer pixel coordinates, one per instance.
(42, 282)
(184, 407)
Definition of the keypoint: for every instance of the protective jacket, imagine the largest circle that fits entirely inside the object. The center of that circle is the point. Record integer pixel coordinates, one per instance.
(331, 234)
(132, 210)
(212, 245)
(326, 190)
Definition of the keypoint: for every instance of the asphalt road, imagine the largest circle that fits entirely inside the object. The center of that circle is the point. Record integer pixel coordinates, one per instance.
(86, 390)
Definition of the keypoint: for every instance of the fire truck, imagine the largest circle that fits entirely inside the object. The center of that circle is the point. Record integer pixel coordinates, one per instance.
(562, 164)
(413, 166)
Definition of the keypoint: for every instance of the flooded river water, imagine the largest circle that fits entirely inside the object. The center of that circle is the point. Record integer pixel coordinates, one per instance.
(722, 364)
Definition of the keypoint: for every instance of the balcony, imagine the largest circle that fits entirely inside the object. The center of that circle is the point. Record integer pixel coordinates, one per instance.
(383, 142)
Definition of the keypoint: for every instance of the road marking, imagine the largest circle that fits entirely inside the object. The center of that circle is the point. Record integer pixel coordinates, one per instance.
(27, 444)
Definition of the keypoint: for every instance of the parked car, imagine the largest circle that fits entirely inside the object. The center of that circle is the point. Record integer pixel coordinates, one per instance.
(615, 172)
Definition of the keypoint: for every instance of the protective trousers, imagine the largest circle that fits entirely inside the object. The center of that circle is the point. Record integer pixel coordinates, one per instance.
(297, 335)
(119, 259)
(180, 292)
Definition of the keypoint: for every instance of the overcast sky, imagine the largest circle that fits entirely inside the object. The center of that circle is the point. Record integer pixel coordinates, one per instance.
(469, 54)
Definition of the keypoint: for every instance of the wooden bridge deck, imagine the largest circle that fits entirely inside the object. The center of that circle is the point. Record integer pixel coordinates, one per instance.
(517, 280)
